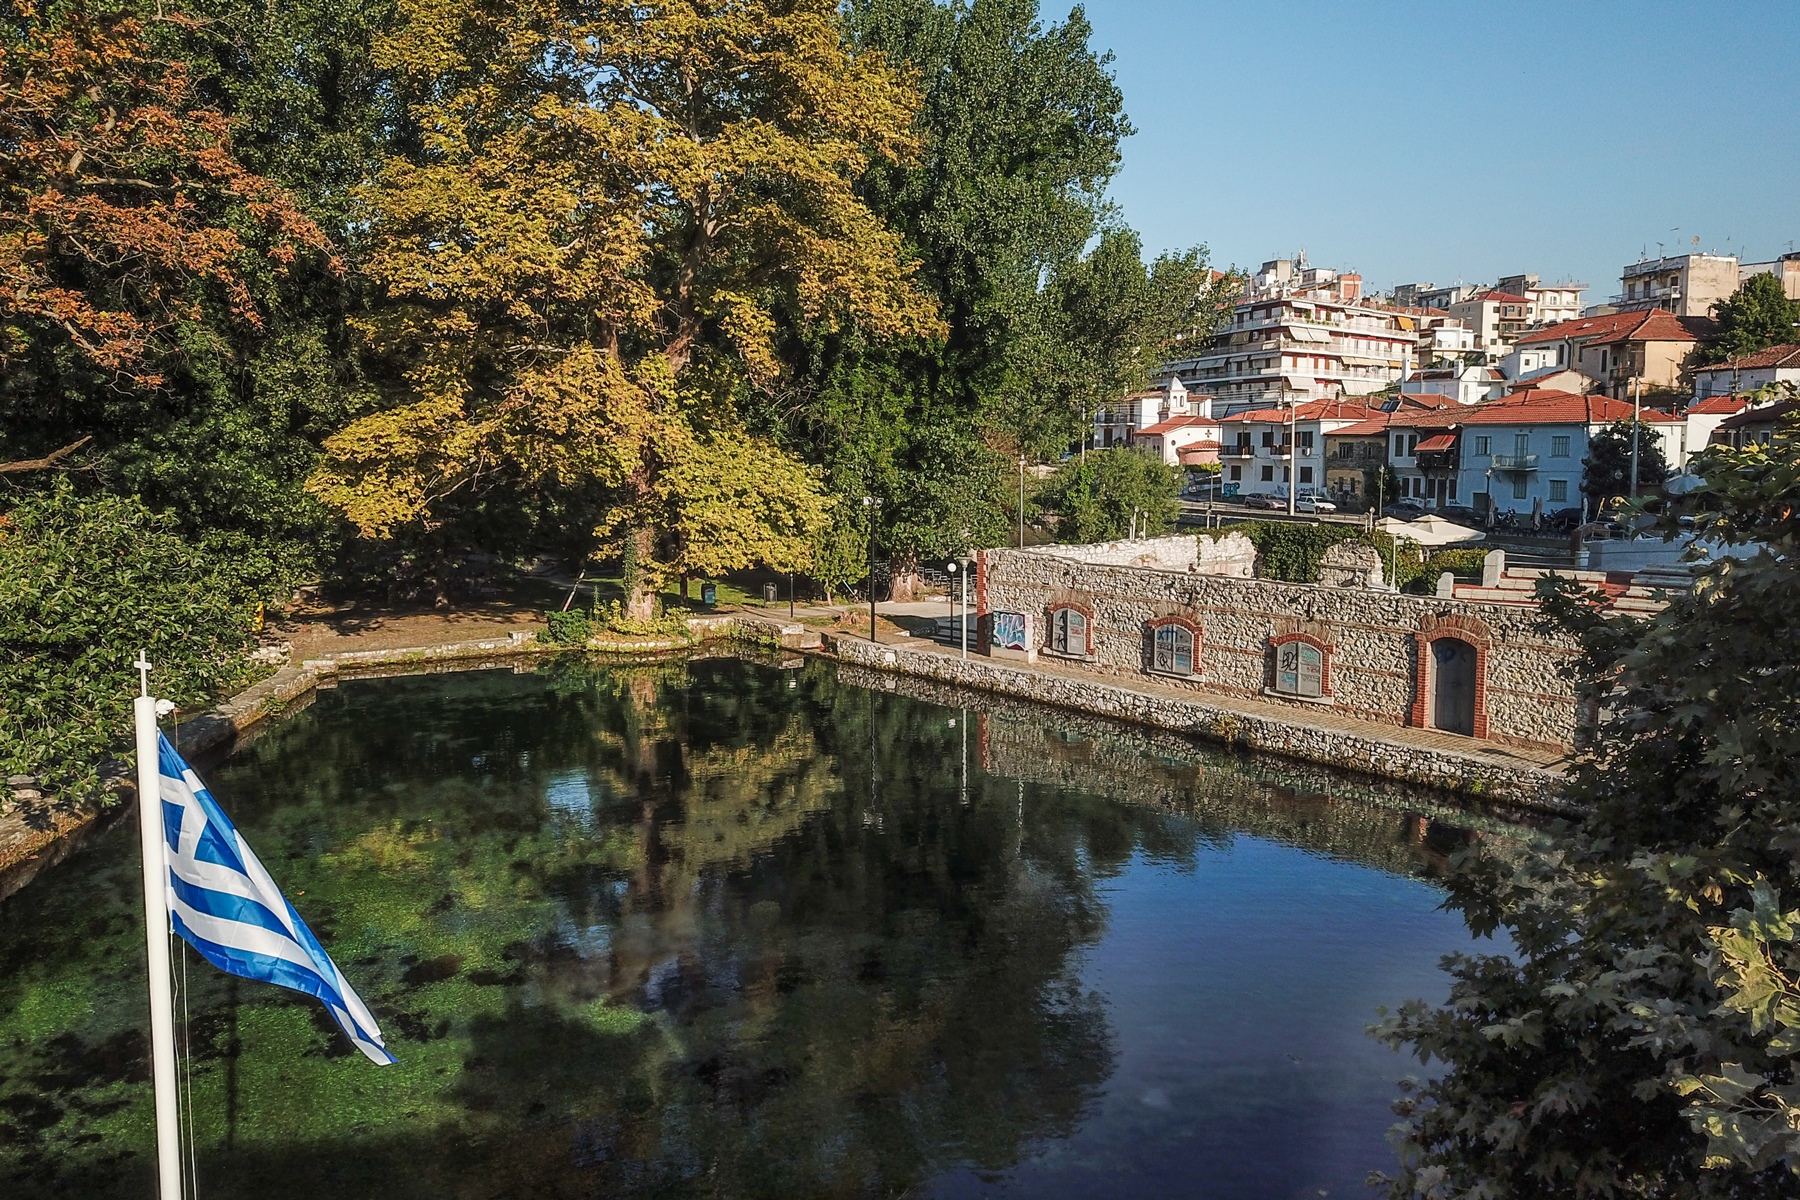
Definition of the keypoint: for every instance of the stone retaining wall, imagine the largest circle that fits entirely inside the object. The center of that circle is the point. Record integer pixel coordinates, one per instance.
(1375, 643)
(1470, 774)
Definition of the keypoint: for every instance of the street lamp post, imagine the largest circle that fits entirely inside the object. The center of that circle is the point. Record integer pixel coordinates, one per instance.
(1293, 467)
(1021, 500)
(871, 503)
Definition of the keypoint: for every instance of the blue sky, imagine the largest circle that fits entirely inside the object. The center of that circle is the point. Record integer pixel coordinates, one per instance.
(1456, 139)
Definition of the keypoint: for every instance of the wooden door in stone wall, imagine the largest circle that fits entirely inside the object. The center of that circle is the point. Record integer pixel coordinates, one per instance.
(1453, 686)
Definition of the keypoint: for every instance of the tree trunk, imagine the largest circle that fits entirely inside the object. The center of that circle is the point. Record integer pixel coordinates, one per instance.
(903, 578)
(639, 585)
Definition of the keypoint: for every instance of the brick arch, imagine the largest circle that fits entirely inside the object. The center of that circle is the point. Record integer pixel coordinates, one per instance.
(1180, 621)
(1323, 647)
(1462, 627)
(1057, 605)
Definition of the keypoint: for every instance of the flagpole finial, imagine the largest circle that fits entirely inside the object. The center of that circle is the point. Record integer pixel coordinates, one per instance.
(143, 669)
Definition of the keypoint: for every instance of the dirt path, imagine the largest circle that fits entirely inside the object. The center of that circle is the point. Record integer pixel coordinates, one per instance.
(317, 632)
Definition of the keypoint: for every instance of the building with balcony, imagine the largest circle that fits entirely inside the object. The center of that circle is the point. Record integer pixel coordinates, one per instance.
(1547, 303)
(1354, 457)
(1301, 348)
(1523, 453)
(1688, 285)
(1646, 351)
(1496, 317)
(1270, 450)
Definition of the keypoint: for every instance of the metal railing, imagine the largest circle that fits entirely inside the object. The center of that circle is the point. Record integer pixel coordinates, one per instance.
(1515, 462)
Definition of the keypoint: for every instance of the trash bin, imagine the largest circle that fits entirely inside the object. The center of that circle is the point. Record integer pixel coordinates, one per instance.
(709, 594)
(769, 592)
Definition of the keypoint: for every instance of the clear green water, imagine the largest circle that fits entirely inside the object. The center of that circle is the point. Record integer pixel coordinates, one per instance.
(717, 929)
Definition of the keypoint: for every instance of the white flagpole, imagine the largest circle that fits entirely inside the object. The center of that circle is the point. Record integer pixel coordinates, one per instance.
(156, 943)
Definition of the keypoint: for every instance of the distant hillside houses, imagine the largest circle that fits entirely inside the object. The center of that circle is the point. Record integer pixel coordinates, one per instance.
(1471, 396)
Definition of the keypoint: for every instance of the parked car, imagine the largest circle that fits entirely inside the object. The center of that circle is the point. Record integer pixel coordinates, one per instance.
(1313, 504)
(1262, 500)
(1404, 510)
(1462, 514)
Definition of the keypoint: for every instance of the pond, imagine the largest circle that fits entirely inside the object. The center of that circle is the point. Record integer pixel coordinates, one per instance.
(720, 928)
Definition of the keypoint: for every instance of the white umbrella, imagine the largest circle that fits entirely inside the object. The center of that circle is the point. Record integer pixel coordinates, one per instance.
(1430, 530)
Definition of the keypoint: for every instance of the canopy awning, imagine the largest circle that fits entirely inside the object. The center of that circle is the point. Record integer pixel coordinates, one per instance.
(1437, 441)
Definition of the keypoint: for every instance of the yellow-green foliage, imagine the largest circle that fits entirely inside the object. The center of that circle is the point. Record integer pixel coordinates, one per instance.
(580, 272)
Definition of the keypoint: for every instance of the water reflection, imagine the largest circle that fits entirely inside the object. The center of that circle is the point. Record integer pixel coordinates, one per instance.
(690, 929)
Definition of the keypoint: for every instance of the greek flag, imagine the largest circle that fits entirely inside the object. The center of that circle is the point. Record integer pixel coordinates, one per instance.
(226, 906)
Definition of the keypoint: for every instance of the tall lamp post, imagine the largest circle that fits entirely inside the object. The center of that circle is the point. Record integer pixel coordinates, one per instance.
(1293, 467)
(1021, 500)
(870, 503)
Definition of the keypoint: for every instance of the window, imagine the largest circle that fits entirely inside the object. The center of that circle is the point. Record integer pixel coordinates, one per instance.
(1306, 474)
(1559, 491)
(1521, 444)
(1559, 446)
(1174, 652)
(1237, 474)
(1069, 631)
(1481, 447)
(1305, 438)
(1519, 483)
(1268, 474)
(1299, 669)
(1268, 437)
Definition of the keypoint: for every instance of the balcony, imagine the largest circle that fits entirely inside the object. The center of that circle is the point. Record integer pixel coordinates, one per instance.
(1515, 462)
(1242, 450)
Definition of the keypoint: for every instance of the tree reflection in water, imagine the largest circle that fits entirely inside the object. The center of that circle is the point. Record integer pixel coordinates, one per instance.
(670, 930)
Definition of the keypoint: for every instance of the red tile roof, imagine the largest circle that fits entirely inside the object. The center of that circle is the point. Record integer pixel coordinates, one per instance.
(1312, 410)
(1715, 406)
(1172, 424)
(1648, 325)
(1536, 406)
(1375, 426)
(1774, 356)
(1499, 297)
(1767, 414)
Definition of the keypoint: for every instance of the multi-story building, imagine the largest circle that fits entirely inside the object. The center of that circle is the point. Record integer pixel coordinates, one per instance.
(1271, 449)
(1354, 457)
(1641, 351)
(1497, 319)
(1777, 364)
(1298, 348)
(1786, 269)
(1688, 285)
(1442, 338)
(1522, 453)
(1429, 295)
(1549, 302)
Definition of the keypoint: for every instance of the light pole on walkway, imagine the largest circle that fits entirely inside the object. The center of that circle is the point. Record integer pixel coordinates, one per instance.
(870, 503)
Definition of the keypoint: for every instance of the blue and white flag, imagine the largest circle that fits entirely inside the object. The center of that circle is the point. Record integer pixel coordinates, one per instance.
(226, 906)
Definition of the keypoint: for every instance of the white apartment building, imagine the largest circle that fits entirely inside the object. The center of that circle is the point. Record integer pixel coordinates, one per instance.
(1497, 317)
(1299, 348)
(1271, 449)
(1547, 303)
(1786, 269)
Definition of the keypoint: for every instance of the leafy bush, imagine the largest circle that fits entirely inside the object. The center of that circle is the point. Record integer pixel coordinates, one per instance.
(1634, 1031)
(1094, 497)
(611, 617)
(1290, 551)
(85, 583)
(571, 627)
(1422, 578)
